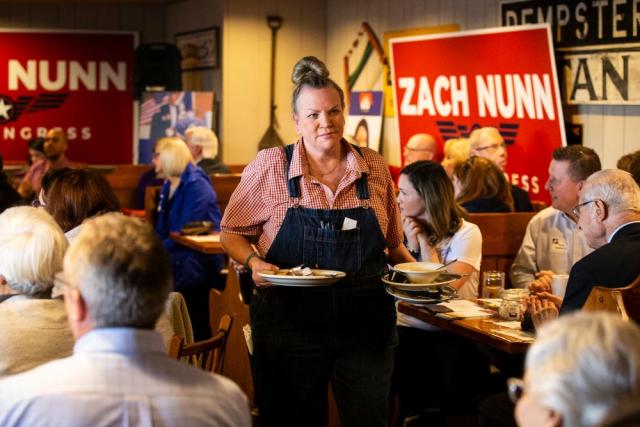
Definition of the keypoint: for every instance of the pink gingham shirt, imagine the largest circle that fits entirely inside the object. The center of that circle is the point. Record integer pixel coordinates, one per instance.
(258, 205)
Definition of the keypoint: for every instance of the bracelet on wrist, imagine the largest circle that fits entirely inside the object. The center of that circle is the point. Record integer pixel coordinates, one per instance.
(249, 258)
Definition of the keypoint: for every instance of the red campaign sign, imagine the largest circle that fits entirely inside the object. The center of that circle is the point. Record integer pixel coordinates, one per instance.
(79, 81)
(449, 84)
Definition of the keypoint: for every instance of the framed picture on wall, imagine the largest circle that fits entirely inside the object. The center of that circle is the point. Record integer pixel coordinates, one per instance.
(199, 49)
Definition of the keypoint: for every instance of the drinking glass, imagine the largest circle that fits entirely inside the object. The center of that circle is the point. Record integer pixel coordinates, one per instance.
(492, 284)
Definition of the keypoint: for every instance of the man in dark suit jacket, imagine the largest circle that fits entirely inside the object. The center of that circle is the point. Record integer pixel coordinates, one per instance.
(609, 215)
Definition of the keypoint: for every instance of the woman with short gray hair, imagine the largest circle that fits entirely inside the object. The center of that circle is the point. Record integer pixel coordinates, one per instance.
(34, 326)
(578, 370)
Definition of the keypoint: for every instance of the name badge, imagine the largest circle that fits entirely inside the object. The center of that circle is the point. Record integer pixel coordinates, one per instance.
(558, 244)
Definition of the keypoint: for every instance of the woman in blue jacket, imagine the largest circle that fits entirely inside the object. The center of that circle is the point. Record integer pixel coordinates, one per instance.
(187, 195)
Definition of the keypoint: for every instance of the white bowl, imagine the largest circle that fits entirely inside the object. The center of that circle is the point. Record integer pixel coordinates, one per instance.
(419, 272)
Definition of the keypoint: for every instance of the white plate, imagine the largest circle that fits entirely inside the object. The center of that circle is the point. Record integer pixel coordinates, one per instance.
(416, 298)
(318, 278)
(442, 279)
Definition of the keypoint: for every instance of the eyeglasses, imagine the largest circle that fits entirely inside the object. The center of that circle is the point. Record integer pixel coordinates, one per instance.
(515, 389)
(413, 150)
(493, 147)
(576, 209)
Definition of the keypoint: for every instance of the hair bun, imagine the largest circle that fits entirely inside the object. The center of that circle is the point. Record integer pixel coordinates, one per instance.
(307, 69)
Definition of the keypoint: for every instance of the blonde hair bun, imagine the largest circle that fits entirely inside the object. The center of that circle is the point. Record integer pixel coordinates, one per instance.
(309, 69)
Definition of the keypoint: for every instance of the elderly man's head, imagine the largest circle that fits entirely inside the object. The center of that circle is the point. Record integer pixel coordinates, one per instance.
(116, 274)
(609, 198)
(55, 144)
(420, 146)
(580, 367)
(32, 246)
(488, 143)
(568, 170)
(202, 142)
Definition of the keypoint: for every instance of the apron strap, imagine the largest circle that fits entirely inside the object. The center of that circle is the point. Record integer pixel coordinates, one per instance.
(293, 184)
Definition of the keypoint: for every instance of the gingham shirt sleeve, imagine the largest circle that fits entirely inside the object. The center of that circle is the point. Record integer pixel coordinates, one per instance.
(248, 209)
(387, 208)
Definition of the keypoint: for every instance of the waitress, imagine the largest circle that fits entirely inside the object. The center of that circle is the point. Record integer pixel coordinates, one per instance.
(326, 204)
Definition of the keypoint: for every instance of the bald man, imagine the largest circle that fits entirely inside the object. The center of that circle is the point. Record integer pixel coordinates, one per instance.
(487, 142)
(420, 146)
(55, 145)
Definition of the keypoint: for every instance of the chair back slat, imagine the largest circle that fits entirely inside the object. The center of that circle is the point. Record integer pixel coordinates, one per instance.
(208, 354)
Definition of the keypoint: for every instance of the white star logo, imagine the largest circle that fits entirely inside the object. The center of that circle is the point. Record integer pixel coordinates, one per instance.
(4, 109)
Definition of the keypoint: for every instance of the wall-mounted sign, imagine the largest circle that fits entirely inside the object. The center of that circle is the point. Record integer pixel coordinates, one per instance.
(440, 91)
(364, 123)
(78, 81)
(596, 43)
(171, 114)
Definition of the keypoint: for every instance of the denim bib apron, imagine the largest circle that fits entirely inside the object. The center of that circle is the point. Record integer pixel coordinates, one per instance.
(301, 335)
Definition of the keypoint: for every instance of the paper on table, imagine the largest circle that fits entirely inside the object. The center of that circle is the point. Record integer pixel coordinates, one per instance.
(511, 324)
(205, 238)
(464, 308)
(517, 334)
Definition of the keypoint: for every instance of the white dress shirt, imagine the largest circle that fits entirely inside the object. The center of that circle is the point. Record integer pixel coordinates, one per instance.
(552, 242)
(120, 377)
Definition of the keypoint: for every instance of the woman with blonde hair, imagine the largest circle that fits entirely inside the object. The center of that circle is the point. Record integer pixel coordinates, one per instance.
(327, 204)
(187, 195)
(481, 186)
(455, 151)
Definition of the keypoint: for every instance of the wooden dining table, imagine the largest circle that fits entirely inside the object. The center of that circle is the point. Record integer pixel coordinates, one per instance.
(207, 243)
(484, 330)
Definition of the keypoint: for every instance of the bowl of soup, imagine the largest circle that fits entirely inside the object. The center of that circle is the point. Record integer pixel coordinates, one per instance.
(419, 272)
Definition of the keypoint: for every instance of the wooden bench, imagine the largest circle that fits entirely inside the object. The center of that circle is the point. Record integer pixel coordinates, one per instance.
(124, 181)
(224, 184)
(502, 235)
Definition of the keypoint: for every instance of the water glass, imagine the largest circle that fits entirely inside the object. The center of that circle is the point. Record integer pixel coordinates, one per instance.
(492, 284)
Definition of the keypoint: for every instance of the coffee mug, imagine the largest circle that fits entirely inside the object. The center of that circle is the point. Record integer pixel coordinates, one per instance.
(559, 284)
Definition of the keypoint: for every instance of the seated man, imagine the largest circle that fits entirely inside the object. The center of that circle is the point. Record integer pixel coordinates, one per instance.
(116, 279)
(552, 242)
(203, 144)
(420, 146)
(488, 143)
(609, 216)
(55, 146)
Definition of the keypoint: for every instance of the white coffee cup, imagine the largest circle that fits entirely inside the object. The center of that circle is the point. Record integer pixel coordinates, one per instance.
(559, 284)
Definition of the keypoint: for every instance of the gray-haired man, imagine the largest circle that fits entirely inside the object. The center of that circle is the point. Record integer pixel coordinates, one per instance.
(116, 279)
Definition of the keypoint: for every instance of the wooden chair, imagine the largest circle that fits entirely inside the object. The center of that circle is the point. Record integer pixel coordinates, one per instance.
(224, 184)
(124, 180)
(502, 235)
(208, 354)
(624, 301)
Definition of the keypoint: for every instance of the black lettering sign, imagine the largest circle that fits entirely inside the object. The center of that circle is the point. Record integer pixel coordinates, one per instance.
(579, 23)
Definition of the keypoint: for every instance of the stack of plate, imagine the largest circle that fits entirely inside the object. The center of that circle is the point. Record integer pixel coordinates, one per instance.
(434, 292)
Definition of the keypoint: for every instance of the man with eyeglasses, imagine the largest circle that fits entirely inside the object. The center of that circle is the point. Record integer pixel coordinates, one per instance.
(552, 242)
(420, 146)
(609, 216)
(488, 143)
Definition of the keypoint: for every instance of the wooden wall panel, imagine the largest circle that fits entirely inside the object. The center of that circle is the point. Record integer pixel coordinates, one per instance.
(246, 68)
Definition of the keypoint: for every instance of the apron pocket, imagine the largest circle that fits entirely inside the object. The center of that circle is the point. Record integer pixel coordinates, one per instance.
(332, 249)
